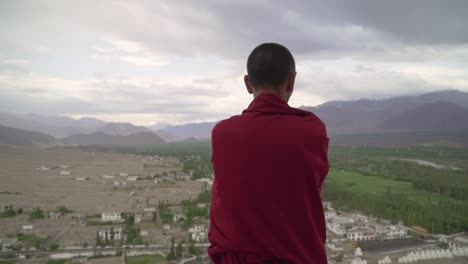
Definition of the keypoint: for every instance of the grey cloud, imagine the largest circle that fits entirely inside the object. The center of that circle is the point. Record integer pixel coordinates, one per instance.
(34, 102)
(396, 31)
(375, 84)
(113, 96)
(233, 28)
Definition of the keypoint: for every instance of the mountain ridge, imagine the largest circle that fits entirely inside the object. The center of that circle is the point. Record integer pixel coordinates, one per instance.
(437, 111)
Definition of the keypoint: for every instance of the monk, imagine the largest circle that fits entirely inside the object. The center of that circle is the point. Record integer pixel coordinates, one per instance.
(269, 165)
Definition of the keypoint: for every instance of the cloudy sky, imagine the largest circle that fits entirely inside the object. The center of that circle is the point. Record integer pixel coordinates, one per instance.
(182, 61)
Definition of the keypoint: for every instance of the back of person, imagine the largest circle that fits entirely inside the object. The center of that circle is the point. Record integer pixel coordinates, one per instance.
(269, 164)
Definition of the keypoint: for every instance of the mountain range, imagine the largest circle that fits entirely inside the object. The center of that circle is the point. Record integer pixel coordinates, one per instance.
(57, 126)
(437, 111)
(18, 137)
(363, 121)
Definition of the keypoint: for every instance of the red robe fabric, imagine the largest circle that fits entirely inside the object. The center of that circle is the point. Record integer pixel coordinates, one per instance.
(269, 165)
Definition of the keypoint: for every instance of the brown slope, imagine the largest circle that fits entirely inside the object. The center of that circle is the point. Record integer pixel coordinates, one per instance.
(437, 116)
(19, 137)
(103, 139)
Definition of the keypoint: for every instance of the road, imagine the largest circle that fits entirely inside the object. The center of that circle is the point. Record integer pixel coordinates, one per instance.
(97, 250)
(56, 237)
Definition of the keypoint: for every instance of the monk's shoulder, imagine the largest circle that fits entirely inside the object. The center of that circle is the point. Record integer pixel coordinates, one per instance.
(311, 122)
(224, 125)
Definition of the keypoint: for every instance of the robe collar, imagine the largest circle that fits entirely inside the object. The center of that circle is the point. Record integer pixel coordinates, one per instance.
(271, 103)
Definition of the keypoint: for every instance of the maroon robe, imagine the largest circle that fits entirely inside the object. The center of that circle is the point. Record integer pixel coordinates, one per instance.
(269, 165)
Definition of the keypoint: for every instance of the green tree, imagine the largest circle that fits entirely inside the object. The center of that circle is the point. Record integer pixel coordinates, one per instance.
(9, 211)
(180, 249)
(54, 246)
(172, 255)
(129, 218)
(112, 234)
(155, 217)
(133, 234)
(63, 210)
(98, 239)
(339, 258)
(165, 213)
(193, 250)
(37, 213)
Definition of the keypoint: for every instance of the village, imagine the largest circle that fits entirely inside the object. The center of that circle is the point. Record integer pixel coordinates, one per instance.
(73, 204)
(104, 207)
(361, 239)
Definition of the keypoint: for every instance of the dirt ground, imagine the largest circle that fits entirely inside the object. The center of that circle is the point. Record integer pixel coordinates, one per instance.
(25, 185)
(32, 178)
(394, 255)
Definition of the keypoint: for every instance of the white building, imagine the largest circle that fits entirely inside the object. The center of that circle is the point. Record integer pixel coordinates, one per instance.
(338, 224)
(360, 217)
(137, 218)
(177, 217)
(108, 177)
(81, 178)
(132, 178)
(198, 233)
(336, 229)
(358, 252)
(335, 246)
(360, 234)
(166, 228)
(330, 214)
(149, 211)
(197, 228)
(201, 205)
(111, 216)
(343, 221)
(327, 204)
(53, 215)
(144, 233)
(107, 234)
(206, 180)
(199, 236)
(460, 241)
(28, 227)
(392, 231)
(64, 172)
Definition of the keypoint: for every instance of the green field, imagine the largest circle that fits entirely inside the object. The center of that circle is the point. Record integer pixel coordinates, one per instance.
(146, 259)
(357, 182)
(99, 223)
(58, 261)
(31, 240)
(374, 180)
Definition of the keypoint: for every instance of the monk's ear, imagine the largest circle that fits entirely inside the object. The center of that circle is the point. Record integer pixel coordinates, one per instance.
(291, 81)
(247, 84)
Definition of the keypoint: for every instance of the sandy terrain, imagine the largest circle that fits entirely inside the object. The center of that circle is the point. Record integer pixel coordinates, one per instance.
(394, 255)
(32, 178)
(25, 185)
